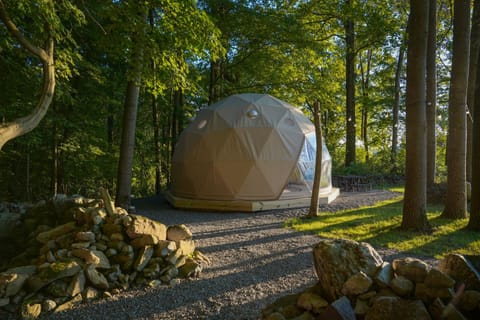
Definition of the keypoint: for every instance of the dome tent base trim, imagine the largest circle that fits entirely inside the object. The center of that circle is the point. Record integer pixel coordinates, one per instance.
(288, 200)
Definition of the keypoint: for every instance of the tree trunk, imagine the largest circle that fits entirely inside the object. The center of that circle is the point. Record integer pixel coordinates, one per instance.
(55, 160)
(396, 107)
(156, 145)
(472, 76)
(313, 212)
(456, 199)
(431, 94)
(21, 126)
(414, 206)
(216, 76)
(365, 75)
(474, 221)
(350, 151)
(125, 164)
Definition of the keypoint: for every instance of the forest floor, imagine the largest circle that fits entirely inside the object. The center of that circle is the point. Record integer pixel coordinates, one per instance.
(255, 260)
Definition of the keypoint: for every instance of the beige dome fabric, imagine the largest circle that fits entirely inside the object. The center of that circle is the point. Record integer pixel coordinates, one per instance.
(244, 147)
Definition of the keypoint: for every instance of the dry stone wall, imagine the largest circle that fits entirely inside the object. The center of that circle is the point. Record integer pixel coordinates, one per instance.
(77, 249)
(355, 283)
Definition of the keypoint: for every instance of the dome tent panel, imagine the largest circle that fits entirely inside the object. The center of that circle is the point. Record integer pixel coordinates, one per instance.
(254, 143)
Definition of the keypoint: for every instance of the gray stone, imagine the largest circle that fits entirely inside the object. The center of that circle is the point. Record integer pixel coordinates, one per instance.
(438, 279)
(164, 248)
(357, 284)
(469, 300)
(396, 308)
(421, 292)
(52, 272)
(191, 268)
(143, 258)
(12, 280)
(90, 293)
(70, 303)
(77, 284)
(57, 289)
(443, 293)
(402, 286)
(143, 225)
(4, 301)
(97, 279)
(186, 246)
(178, 232)
(48, 305)
(87, 236)
(311, 302)
(95, 257)
(144, 240)
(56, 232)
(336, 260)
(31, 311)
(344, 308)
(461, 270)
(411, 268)
(384, 275)
(361, 307)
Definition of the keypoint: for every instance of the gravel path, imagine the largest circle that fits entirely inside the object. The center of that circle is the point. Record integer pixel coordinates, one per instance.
(255, 260)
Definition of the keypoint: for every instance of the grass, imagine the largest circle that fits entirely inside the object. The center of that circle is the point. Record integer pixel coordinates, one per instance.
(379, 225)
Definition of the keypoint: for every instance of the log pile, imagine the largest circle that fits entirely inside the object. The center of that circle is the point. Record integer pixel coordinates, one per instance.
(77, 249)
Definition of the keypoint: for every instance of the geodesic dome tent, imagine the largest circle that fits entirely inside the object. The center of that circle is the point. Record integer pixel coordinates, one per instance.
(247, 147)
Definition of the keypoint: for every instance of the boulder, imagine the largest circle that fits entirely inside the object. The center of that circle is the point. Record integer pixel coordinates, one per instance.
(384, 275)
(96, 278)
(469, 300)
(336, 260)
(411, 268)
(438, 279)
(402, 286)
(312, 302)
(357, 284)
(56, 232)
(461, 270)
(178, 232)
(51, 272)
(142, 225)
(396, 308)
(12, 280)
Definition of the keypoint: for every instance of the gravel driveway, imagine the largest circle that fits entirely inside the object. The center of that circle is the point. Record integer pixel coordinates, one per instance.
(255, 260)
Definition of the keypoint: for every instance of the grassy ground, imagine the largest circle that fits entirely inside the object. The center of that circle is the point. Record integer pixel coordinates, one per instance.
(379, 226)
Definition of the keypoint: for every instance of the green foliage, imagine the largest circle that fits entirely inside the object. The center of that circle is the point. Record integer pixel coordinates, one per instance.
(379, 226)
(292, 50)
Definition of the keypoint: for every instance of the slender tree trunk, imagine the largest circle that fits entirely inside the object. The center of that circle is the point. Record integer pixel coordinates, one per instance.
(474, 221)
(215, 91)
(431, 94)
(472, 76)
(396, 108)
(456, 199)
(350, 152)
(156, 145)
(173, 123)
(414, 205)
(125, 164)
(54, 176)
(365, 74)
(313, 212)
(129, 122)
(21, 126)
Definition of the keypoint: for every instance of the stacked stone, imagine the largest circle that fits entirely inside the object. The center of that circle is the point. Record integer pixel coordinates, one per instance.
(99, 252)
(358, 284)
